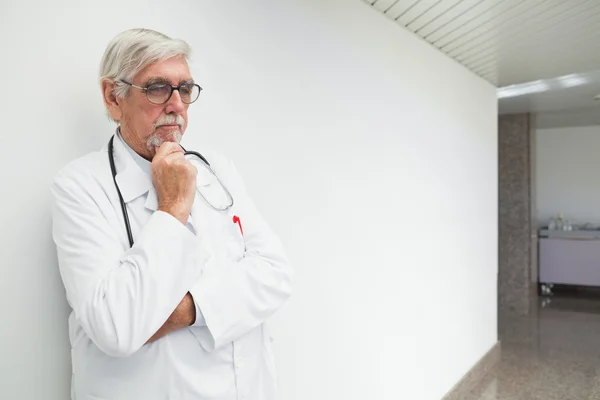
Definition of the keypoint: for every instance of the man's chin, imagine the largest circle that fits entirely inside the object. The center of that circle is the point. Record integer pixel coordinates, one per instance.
(157, 139)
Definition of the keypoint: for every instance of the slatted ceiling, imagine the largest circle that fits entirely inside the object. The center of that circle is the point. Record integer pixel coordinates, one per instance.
(564, 43)
(506, 41)
(430, 22)
(486, 30)
(384, 5)
(484, 20)
(519, 67)
(433, 16)
(401, 8)
(476, 11)
(523, 46)
(508, 29)
(406, 11)
(550, 27)
(519, 72)
(420, 10)
(397, 8)
(562, 65)
(417, 12)
(450, 19)
(517, 28)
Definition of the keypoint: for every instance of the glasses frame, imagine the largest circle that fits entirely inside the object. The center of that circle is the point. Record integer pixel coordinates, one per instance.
(173, 88)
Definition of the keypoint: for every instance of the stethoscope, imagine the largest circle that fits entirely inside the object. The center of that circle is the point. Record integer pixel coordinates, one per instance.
(113, 169)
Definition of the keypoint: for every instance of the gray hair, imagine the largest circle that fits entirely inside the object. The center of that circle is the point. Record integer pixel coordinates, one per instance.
(133, 50)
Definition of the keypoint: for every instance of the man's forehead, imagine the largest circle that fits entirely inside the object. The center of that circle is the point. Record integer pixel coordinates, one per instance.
(172, 70)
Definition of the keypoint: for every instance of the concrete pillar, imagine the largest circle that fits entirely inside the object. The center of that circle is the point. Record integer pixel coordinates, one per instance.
(516, 274)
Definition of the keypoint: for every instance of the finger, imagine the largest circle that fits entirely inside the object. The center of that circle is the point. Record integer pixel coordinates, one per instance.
(168, 148)
(174, 158)
(188, 165)
(180, 160)
(193, 168)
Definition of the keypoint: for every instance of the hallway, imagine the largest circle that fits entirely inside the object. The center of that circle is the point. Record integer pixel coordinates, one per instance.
(553, 354)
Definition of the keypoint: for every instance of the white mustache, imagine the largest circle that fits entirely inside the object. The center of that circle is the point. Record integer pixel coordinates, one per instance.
(154, 140)
(168, 120)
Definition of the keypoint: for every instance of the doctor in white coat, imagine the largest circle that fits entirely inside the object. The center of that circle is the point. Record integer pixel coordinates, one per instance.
(178, 310)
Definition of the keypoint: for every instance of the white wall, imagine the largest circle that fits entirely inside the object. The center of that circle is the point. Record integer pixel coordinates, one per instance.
(373, 156)
(567, 164)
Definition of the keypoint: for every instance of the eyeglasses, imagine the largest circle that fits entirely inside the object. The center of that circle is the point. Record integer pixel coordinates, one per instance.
(161, 93)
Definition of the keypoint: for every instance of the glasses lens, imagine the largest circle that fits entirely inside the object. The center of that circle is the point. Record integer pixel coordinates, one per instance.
(189, 93)
(158, 94)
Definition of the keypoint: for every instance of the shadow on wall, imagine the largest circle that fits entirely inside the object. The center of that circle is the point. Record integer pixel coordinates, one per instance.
(88, 127)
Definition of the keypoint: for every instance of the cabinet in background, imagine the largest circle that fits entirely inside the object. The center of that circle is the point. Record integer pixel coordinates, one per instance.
(570, 258)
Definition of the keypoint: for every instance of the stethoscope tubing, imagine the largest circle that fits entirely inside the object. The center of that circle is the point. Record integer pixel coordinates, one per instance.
(113, 170)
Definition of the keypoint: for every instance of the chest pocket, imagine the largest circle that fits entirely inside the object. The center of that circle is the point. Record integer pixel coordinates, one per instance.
(219, 231)
(235, 235)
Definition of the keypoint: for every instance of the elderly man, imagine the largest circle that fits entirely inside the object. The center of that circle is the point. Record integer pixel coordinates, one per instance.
(170, 270)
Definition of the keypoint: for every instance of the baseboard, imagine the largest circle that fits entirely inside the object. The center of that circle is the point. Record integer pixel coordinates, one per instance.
(475, 374)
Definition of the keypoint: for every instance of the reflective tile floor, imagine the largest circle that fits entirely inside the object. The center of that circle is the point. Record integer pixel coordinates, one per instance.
(552, 354)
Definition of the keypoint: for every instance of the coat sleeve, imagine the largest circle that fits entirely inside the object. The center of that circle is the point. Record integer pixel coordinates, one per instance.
(120, 296)
(243, 294)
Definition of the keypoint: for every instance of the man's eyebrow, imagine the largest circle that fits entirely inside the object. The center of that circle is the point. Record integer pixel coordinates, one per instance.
(157, 80)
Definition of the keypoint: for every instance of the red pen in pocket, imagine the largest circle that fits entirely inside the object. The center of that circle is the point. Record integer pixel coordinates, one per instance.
(236, 220)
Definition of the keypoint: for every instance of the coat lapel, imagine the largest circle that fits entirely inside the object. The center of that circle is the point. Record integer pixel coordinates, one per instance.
(132, 180)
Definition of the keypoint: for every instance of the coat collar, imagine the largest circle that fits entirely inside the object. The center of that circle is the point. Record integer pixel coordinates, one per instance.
(134, 175)
(133, 181)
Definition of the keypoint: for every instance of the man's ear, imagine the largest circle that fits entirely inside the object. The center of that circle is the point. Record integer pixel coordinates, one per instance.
(112, 102)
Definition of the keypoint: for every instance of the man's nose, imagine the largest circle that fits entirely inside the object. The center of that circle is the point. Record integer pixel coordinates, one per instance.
(174, 105)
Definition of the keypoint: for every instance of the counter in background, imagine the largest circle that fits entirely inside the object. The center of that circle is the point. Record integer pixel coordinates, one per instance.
(577, 234)
(569, 257)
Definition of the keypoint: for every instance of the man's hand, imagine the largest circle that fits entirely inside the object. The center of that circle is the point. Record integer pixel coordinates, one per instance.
(175, 181)
(183, 316)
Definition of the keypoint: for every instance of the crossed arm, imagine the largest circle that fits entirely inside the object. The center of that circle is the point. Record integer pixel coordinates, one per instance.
(183, 316)
(125, 300)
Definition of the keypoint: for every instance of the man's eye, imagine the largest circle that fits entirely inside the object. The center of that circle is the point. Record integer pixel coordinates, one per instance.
(157, 89)
(186, 90)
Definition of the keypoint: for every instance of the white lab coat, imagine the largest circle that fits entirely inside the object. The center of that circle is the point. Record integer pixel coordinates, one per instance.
(121, 296)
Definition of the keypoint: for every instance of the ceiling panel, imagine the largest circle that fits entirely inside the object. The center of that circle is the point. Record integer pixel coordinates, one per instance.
(446, 13)
(506, 22)
(506, 41)
(399, 8)
(474, 10)
(430, 14)
(483, 21)
(543, 12)
(421, 9)
(564, 54)
(384, 5)
(539, 37)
